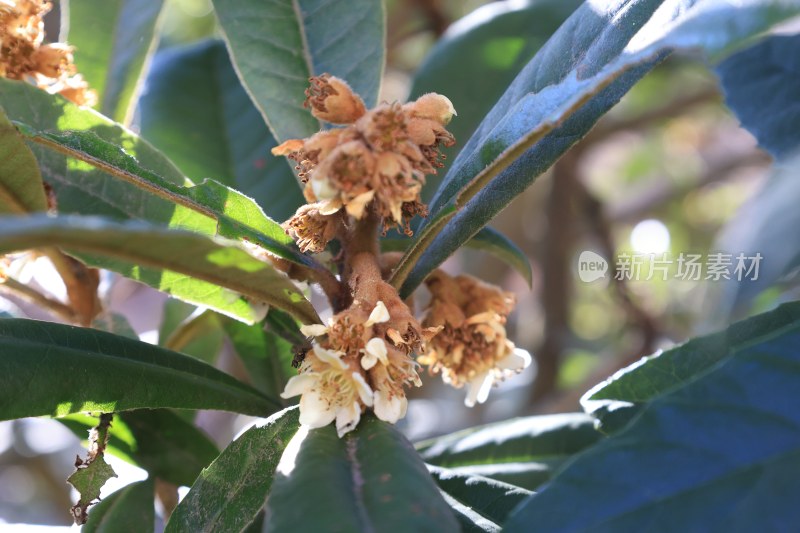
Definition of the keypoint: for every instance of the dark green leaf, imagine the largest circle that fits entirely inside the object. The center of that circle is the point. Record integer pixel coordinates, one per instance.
(479, 56)
(761, 85)
(521, 440)
(230, 493)
(719, 453)
(52, 369)
(470, 521)
(277, 45)
(492, 499)
(157, 440)
(525, 475)
(492, 241)
(615, 401)
(766, 225)
(112, 40)
(370, 480)
(487, 240)
(128, 510)
(21, 187)
(187, 265)
(560, 94)
(228, 140)
(266, 356)
(186, 329)
(167, 446)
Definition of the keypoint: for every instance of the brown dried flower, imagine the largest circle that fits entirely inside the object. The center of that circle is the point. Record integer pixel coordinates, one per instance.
(471, 348)
(378, 161)
(24, 57)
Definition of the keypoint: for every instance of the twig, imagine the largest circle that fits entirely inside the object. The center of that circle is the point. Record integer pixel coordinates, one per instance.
(33, 296)
(556, 281)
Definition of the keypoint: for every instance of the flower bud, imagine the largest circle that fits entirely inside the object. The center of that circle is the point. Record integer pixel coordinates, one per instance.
(432, 106)
(332, 100)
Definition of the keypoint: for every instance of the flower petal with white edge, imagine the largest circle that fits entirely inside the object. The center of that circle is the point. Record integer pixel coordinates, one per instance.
(347, 419)
(329, 356)
(314, 330)
(364, 391)
(314, 411)
(388, 408)
(478, 389)
(376, 348)
(379, 315)
(517, 360)
(299, 384)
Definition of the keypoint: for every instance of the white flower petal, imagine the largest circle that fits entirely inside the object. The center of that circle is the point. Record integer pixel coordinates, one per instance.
(515, 361)
(329, 356)
(379, 315)
(368, 361)
(386, 408)
(364, 392)
(478, 389)
(299, 384)
(314, 411)
(377, 348)
(313, 330)
(403, 406)
(347, 418)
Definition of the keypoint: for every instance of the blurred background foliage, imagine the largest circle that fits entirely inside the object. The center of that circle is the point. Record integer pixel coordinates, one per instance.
(664, 172)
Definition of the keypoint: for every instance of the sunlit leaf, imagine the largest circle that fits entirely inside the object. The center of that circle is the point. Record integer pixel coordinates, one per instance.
(52, 369)
(277, 45)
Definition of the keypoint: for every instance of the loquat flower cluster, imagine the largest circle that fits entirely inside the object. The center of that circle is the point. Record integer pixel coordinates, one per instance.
(25, 56)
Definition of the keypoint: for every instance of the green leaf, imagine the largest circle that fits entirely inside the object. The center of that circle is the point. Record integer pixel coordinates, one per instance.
(266, 356)
(525, 475)
(369, 480)
(486, 240)
(187, 265)
(113, 40)
(492, 499)
(167, 446)
(560, 94)
(21, 187)
(761, 84)
(157, 440)
(52, 369)
(277, 45)
(128, 510)
(229, 494)
(228, 140)
(522, 452)
(470, 521)
(89, 478)
(186, 329)
(492, 241)
(479, 56)
(719, 453)
(527, 439)
(618, 399)
(145, 185)
(766, 224)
